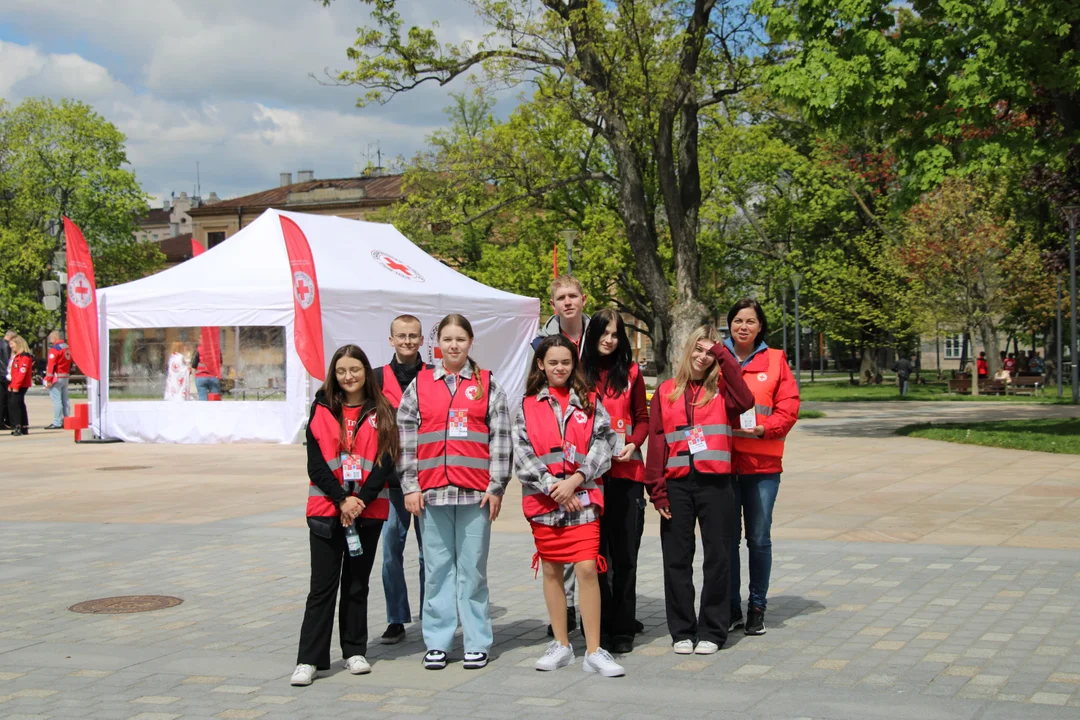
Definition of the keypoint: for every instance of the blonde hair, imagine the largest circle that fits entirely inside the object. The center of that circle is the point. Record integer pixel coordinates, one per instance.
(683, 374)
(20, 344)
(178, 347)
(565, 281)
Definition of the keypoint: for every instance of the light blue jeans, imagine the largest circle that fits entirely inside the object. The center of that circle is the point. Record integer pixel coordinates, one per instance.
(456, 541)
(58, 391)
(207, 385)
(755, 496)
(394, 535)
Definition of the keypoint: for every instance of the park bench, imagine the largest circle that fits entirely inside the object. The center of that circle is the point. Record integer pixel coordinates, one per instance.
(962, 386)
(1027, 385)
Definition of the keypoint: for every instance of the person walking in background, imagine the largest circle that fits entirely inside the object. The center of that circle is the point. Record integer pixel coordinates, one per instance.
(406, 337)
(562, 446)
(5, 357)
(610, 371)
(689, 476)
(903, 367)
(57, 376)
(982, 366)
(758, 444)
(352, 445)
(455, 465)
(20, 376)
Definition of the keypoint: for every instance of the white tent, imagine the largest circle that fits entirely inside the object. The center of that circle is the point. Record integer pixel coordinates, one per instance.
(368, 273)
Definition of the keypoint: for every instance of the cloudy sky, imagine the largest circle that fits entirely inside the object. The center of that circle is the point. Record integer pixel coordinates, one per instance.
(222, 82)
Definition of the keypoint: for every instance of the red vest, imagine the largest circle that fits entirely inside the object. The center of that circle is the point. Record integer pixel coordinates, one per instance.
(763, 385)
(622, 422)
(712, 420)
(391, 388)
(452, 443)
(562, 449)
(365, 447)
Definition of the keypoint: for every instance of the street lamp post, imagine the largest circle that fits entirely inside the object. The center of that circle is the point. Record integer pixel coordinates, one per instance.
(1072, 212)
(1060, 338)
(783, 299)
(569, 236)
(796, 280)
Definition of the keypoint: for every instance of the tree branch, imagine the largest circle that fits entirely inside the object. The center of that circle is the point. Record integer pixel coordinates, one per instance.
(539, 191)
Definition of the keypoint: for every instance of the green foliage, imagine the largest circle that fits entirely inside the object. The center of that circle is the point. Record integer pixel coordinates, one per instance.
(1038, 435)
(63, 159)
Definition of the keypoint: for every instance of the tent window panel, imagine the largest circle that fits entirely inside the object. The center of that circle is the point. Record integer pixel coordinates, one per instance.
(157, 363)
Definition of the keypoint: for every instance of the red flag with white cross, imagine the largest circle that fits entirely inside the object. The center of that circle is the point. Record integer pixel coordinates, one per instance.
(82, 315)
(307, 325)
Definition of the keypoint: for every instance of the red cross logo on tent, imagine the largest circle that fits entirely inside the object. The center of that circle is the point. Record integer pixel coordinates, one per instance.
(397, 267)
(79, 290)
(303, 288)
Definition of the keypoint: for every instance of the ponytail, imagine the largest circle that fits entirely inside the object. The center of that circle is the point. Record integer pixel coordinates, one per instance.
(477, 377)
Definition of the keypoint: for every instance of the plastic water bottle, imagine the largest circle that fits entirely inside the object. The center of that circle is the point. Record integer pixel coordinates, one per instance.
(352, 539)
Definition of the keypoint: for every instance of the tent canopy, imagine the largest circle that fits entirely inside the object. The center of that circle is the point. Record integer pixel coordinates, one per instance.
(368, 273)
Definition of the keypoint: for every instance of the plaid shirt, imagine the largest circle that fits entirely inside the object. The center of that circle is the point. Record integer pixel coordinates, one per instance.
(499, 446)
(533, 472)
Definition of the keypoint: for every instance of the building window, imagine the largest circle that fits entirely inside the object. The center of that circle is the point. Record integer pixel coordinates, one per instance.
(954, 345)
(214, 238)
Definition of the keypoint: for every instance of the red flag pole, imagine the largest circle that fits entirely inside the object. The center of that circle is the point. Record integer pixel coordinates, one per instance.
(82, 311)
(307, 326)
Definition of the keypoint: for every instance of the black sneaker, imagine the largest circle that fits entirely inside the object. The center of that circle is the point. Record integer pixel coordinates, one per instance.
(475, 660)
(755, 620)
(571, 621)
(621, 644)
(434, 660)
(639, 627)
(736, 618)
(395, 633)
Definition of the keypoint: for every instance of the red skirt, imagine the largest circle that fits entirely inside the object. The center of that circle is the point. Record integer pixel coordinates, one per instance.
(572, 544)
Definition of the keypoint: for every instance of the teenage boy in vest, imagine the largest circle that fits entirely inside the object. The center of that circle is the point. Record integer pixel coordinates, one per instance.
(406, 337)
(567, 300)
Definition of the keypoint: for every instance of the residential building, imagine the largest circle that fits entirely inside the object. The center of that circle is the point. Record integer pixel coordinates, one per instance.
(172, 218)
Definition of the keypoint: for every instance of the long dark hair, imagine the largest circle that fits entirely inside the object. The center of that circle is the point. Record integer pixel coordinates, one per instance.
(385, 417)
(538, 378)
(462, 322)
(753, 305)
(591, 360)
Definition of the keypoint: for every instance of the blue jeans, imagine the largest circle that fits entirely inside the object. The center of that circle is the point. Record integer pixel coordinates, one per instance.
(456, 541)
(58, 391)
(903, 384)
(207, 385)
(395, 532)
(755, 496)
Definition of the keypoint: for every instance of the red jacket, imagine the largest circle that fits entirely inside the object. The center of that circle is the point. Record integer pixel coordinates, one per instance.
(22, 371)
(59, 364)
(776, 400)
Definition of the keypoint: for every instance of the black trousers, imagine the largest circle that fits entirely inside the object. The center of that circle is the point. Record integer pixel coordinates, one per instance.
(708, 500)
(4, 412)
(331, 567)
(17, 408)
(621, 526)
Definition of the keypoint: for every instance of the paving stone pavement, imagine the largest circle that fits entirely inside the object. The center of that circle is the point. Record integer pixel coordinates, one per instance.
(856, 630)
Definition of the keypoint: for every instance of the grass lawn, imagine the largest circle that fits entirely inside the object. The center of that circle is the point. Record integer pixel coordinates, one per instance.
(810, 414)
(1055, 436)
(842, 392)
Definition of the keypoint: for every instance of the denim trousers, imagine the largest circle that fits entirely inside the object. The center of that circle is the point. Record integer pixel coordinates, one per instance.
(207, 385)
(58, 393)
(755, 496)
(456, 539)
(394, 535)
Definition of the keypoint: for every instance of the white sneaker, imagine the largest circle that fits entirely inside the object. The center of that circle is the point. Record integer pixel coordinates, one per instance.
(706, 647)
(556, 656)
(602, 662)
(684, 647)
(304, 674)
(357, 665)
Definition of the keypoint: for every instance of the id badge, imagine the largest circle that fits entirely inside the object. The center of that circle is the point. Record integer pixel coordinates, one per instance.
(748, 420)
(569, 452)
(459, 424)
(696, 438)
(619, 426)
(583, 498)
(350, 468)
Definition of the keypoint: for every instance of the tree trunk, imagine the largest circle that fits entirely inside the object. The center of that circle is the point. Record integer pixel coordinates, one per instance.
(975, 369)
(988, 333)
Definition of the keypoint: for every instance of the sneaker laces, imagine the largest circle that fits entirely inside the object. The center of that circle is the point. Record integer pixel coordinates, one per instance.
(604, 655)
(553, 649)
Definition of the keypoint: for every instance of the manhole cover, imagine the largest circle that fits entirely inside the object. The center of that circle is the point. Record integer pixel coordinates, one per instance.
(117, 468)
(125, 604)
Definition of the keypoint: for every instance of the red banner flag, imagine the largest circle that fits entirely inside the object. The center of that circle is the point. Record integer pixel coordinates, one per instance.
(307, 326)
(82, 315)
(555, 261)
(209, 337)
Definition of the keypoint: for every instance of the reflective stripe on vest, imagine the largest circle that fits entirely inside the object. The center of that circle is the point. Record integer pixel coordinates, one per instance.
(550, 437)
(764, 391)
(619, 409)
(327, 432)
(712, 417)
(443, 459)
